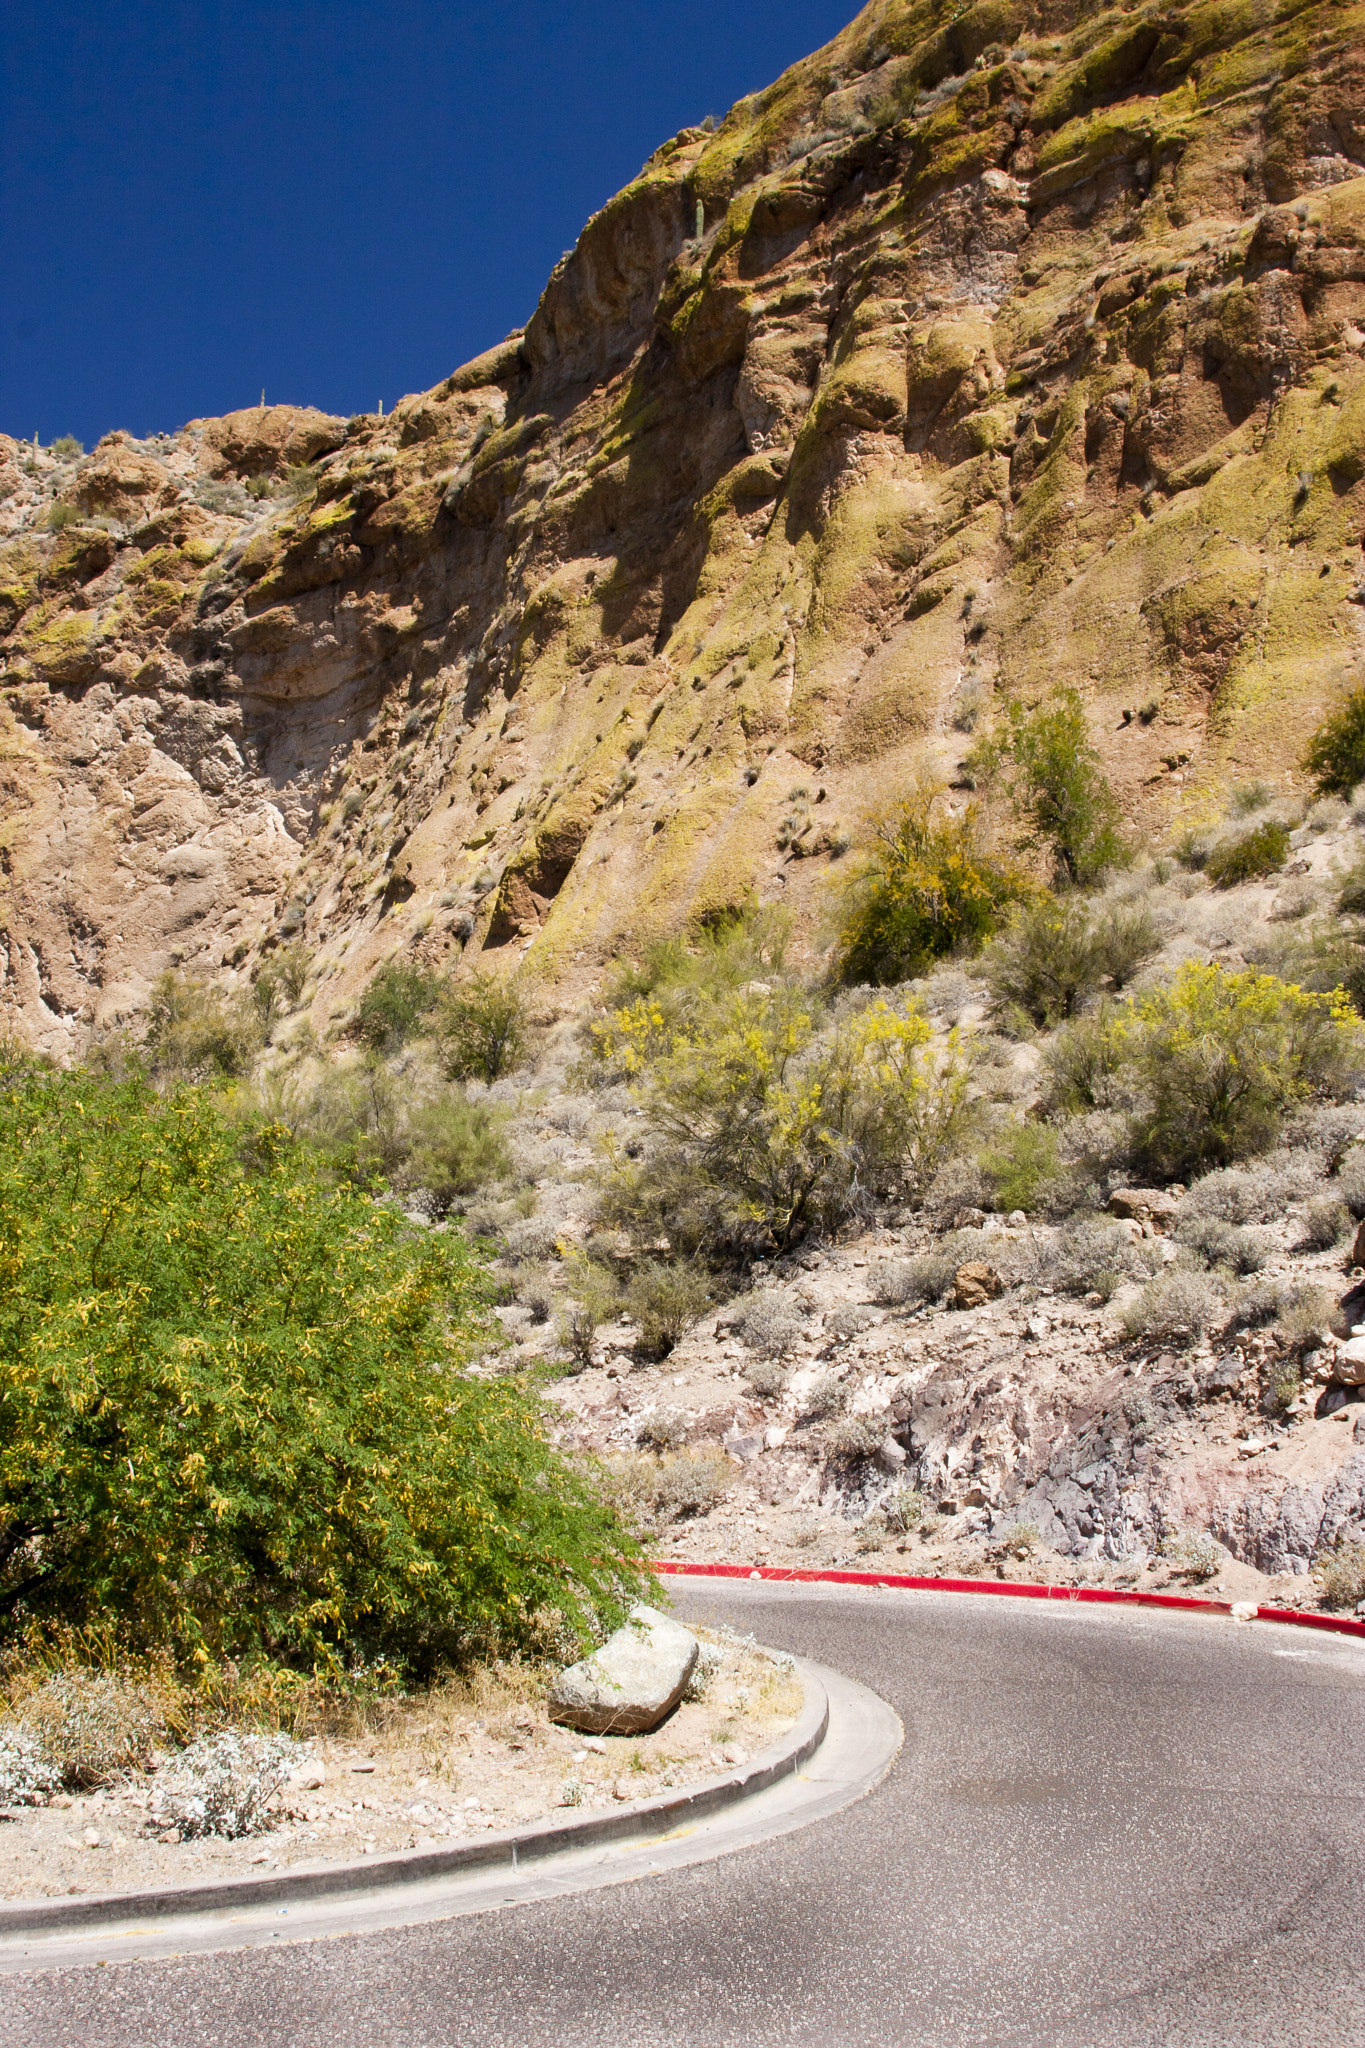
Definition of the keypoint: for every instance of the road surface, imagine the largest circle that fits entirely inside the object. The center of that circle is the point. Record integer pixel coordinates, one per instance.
(1107, 1829)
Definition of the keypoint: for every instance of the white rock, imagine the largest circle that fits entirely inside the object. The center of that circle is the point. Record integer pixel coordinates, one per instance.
(631, 1683)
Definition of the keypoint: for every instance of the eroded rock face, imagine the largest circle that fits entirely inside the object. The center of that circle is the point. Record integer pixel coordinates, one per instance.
(1015, 349)
(632, 1683)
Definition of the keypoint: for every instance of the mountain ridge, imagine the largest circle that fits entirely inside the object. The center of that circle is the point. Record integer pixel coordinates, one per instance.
(980, 352)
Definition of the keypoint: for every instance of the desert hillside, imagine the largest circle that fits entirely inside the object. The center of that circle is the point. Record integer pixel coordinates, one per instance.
(987, 348)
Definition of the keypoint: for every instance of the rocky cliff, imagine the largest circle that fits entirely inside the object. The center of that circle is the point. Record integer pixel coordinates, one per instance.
(990, 346)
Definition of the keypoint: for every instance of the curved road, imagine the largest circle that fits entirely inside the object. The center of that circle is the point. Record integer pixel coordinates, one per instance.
(1107, 1829)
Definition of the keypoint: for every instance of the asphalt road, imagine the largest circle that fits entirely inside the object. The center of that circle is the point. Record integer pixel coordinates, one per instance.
(1106, 1830)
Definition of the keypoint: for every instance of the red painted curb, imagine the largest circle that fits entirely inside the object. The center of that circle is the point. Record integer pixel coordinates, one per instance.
(1015, 1590)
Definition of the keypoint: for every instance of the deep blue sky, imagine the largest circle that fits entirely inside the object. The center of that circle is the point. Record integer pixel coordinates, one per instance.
(339, 202)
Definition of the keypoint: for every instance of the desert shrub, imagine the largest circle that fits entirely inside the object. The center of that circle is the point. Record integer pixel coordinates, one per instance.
(28, 1776)
(222, 1785)
(1087, 1065)
(236, 1414)
(903, 1510)
(650, 1492)
(858, 1436)
(66, 446)
(1055, 953)
(929, 888)
(1178, 1305)
(744, 945)
(594, 1298)
(397, 1000)
(194, 1032)
(1020, 1163)
(1052, 776)
(1094, 1258)
(767, 1133)
(93, 1724)
(59, 516)
(771, 1324)
(1195, 1554)
(1325, 1223)
(1219, 1243)
(1351, 894)
(1335, 755)
(678, 985)
(531, 1239)
(456, 1147)
(481, 1029)
(925, 1277)
(766, 1378)
(1221, 1057)
(826, 1395)
(1350, 1182)
(1238, 1194)
(1342, 1575)
(664, 1430)
(1262, 851)
(958, 1184)
(665, 1301)
(280, 983)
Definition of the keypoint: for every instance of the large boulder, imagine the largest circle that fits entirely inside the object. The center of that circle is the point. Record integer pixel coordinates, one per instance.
(630, 1684)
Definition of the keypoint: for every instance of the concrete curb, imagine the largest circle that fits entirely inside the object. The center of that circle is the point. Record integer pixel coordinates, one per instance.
(509, 1848)
(1016, 1590)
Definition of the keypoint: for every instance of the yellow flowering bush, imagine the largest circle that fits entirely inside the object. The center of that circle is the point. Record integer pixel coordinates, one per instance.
(767, 1131)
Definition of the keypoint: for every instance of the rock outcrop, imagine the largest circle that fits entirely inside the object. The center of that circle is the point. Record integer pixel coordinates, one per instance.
(633, 1682)
(974, 354)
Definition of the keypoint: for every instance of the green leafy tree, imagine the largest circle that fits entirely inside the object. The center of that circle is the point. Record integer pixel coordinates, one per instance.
(1335, 756)
(234, 1411)
(929, 889)
(1051, 773)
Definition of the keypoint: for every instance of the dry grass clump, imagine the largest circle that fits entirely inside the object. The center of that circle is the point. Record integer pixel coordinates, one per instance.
(92, 1724)
(858, 1436)
(766, 1378)
(771, 1323)
(650, 1492)
(826, 1395)
(1221, 1244)
(1179, 1305)
(1240, 1194)
(1195, 1555)
(1342, 1575)
(1092, 1258)
(1325, 1223)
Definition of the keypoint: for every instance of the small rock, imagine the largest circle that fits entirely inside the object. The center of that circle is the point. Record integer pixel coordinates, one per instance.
(1348, 1367)
(734, 1754)
(1243, 1610)
(975, 1284)
(92, 1838)
(630, 1684)
(596, 1745)
(1017, 1220)
(622, 1789)
(1358, 1248)
(1143, 1205)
